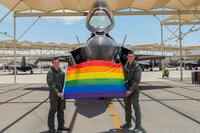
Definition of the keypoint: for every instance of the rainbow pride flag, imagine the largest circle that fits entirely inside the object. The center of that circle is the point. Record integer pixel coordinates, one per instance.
(94, 79)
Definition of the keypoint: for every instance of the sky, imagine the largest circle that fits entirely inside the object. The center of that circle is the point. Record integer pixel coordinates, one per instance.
(139, 30)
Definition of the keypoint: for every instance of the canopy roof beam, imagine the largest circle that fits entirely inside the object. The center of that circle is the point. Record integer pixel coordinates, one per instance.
(117, 13)
(28, 29)
(180, 23)
(10, 11)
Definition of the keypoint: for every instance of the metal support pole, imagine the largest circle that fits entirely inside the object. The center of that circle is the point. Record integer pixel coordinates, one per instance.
(166, 26)
(29, 55)
(14, 42)
(180, 45)
(153, 61)
(162, 44)
(41, 61)
(4, 43)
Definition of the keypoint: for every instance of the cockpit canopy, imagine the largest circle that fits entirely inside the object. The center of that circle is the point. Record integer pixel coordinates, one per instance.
(100, 18)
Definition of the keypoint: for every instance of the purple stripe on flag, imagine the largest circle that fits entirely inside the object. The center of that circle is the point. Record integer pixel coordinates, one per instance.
(95, 95)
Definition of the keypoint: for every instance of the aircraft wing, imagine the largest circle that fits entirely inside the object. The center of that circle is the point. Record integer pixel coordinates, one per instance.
(149, 57)
(123, 52)
(66, 58)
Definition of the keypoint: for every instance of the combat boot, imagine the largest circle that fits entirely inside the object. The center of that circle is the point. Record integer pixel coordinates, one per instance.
(64, 128)
(137, 129)
(52, 131)
(126, 125)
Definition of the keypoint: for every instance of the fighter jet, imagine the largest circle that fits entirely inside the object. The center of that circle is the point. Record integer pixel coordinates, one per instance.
(150, 64)
(100, 45)
(1, 66)
(191, 64)
(21, 66)
(173, 62)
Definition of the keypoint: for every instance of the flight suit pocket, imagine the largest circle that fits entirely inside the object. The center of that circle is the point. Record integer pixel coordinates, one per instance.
(53, 102)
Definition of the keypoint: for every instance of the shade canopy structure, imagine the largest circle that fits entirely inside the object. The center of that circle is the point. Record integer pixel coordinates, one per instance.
(154, 47)
(47, 6)
(25, 45)
(40, 8)
(188, 17)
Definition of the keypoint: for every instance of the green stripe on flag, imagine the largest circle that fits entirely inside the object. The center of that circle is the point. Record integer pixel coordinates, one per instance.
(91, 82)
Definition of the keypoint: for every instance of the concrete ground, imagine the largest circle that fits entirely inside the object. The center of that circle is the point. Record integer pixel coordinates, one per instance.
(167, 106)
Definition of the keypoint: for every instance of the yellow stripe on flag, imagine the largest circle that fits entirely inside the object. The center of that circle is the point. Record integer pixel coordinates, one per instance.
(94, 75)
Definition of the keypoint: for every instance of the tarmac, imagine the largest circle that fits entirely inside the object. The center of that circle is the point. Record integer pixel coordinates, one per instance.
(167, 106)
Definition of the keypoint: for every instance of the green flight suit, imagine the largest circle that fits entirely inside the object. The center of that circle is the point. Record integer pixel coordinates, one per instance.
(132, 79)
(55, 81)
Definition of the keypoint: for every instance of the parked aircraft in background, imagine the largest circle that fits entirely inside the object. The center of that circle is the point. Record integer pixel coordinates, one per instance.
(150, 64)
(173, 62)
(21, 66)
(187, 64)
(191, 64)
(1, 66)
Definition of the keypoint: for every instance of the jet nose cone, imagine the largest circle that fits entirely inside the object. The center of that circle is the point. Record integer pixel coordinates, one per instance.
(100, 48)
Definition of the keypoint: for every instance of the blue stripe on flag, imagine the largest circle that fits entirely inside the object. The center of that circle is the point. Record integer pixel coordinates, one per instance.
(99, 88)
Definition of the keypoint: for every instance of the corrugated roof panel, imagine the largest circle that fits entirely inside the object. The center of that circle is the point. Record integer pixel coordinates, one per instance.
(181, 4)
(82, 5)
(86, 4)
(72, 4)
(10, 4)
(52, 5)
(123, 4)
(36, 5)
(148, 4)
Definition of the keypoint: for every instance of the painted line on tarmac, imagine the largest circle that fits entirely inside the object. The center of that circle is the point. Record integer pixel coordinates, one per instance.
(182, 87)
(18, 96)
(15, 97)
(24, 115)
(18, 88)
(176, 93)
(115, 117)
(172, 108)
(5, 85)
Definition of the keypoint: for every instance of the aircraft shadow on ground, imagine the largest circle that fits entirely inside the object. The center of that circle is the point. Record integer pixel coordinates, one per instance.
(37, 88)
(91, 107)
(154, 87)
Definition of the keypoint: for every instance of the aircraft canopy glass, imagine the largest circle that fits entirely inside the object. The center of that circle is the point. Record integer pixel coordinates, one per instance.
(100, 20)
